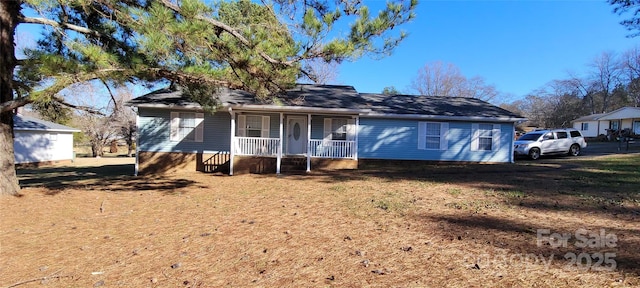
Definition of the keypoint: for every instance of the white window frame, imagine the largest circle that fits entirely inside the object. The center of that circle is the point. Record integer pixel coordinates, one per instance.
(348, 128)
(243, 127)
(584, 126)
(423, 134)
(476, 135)
(178, 133)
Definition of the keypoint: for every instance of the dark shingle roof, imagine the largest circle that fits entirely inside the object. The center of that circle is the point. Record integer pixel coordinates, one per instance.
(344, 97)
(434, 105)
(21, 123)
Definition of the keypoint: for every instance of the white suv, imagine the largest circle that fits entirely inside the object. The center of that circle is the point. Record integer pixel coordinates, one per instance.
(545, 142)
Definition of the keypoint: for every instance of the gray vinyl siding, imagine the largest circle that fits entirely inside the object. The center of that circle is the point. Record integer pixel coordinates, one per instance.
(154, 129)
(377, 138)
(398, 139)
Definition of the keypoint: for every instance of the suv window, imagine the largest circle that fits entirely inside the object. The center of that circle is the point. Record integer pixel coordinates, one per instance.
(576, 134)
(561, 135)
(548, 136)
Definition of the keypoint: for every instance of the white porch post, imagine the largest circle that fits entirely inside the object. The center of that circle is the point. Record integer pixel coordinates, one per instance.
(233, 140)
(355, 129)
(513, 140)
(308, 142)
(135, 172)
(279, 159)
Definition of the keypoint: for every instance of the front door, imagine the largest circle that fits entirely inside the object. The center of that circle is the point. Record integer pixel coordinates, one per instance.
(297, 135)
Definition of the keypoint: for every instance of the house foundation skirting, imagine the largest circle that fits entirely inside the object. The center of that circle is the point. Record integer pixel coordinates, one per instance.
(381, 163)
(176, 162)
(333, 164)
(267, 165)
(173, 162)
(254, 164)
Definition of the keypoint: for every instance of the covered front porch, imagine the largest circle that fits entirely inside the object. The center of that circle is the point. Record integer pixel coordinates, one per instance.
(273, 141)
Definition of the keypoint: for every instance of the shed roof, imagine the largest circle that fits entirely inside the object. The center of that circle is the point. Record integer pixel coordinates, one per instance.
(26, 123)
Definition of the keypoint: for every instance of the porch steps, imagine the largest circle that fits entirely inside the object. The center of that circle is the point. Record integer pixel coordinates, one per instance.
(293, 164)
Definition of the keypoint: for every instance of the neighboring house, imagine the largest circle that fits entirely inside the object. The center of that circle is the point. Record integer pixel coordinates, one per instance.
(37, 141)
(599, 124)
(591, 126)
(316, 126)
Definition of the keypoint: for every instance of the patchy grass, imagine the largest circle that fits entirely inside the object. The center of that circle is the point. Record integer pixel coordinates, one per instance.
(420, 225)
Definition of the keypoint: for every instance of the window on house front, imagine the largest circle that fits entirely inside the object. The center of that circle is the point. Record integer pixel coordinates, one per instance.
(585, 127)
(254, 126)
(615, 125)
(485, 137)
(432, 135)
(187, 126)
(339, 129)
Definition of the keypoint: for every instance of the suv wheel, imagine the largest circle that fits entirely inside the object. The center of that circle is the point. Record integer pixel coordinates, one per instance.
(534, 153)
(574, 150)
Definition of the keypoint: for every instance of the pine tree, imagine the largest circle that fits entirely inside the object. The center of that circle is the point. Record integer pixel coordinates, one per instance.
(200, 45)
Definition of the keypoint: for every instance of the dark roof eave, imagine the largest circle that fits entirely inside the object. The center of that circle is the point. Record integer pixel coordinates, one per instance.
(300, 109)
(165, 106)
(446, 118)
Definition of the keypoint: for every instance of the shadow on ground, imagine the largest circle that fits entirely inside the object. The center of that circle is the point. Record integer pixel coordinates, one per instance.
(520, 237)
(115, 178)
(604, 186)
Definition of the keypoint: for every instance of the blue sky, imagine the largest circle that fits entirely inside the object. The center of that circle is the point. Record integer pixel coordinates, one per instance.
(518, 46)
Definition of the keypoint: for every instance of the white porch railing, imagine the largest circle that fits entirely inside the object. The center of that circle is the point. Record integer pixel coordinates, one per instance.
(255, 146)
(332, 148)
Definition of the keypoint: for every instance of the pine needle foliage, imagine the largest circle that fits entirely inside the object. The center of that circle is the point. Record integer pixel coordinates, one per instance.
(260, 47)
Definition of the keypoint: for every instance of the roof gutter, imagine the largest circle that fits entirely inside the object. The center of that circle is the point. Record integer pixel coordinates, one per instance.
(47, 130)
(441, 117)
(166, 106)
(368, 113)
(299, 109)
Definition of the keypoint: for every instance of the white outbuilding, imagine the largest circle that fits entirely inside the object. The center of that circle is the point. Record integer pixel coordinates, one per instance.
(37, 141)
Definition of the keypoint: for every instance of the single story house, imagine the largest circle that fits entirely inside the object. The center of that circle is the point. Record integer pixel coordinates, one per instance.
(314, 127)
(36, 141)
(595, 125)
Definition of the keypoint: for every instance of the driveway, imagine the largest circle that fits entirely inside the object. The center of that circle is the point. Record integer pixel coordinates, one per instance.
(595, 149)
(610, 148)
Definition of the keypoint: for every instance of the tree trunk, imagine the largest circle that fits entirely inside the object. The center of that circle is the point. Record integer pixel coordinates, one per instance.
(8, 20)
(97, 149)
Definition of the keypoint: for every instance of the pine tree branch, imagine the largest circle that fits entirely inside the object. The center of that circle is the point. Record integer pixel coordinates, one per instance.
(231, 31)
(14, 104)
(49, 22)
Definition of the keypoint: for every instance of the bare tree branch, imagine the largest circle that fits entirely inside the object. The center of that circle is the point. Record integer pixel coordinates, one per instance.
(87, 109)
(49, 22)
(113, 97)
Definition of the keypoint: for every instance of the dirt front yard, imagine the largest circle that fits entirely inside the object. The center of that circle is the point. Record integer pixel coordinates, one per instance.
(554, 222)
